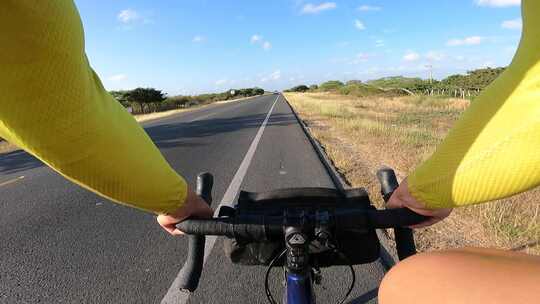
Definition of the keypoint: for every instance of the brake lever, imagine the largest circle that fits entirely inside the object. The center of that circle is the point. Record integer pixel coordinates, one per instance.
(188, 278)
(405, 245)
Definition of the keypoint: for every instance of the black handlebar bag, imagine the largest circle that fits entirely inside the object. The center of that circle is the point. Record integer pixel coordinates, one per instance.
(354, 247)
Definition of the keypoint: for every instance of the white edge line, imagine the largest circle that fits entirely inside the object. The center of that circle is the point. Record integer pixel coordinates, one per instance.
(174, 295)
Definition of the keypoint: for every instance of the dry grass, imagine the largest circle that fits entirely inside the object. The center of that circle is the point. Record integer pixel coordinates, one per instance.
(156, 115)
(6, 147)
(362, 134)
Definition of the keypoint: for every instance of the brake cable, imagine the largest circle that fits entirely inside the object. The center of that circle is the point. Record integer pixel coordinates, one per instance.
(266, 276)
(353, 274)
(271, 299)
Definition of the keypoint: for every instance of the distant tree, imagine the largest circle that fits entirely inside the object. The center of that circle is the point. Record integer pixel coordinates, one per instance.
(179, 101)
(313, 87)
(476, 79)
(258, 91)
(331, 85)
(299, 88)
(397, 82)
(121, 96)
(145, 95)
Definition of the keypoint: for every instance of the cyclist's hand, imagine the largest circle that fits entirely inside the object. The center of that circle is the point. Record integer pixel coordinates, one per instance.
(193, 207)
(403, 198)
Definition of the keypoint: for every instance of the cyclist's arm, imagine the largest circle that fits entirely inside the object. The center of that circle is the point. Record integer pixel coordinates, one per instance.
(55, 107)
(493, 151)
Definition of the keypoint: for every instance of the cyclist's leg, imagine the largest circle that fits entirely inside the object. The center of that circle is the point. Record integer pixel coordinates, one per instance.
(469, 275)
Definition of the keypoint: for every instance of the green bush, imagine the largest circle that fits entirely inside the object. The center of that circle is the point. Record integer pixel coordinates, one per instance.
(331, 85)
(145, 95)
(360, 90)
(398, 82)
(121, 96)
(301, 88)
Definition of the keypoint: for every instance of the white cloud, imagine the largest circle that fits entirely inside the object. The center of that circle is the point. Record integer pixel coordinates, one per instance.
(515, 24)
(360, 58)
(359, 25)
(379, 43)
(129, 18)
(276, 75)
(411, 56)
(118, 77)
(315, 9)
(368, 8)
(267, 45)
(258, 39)
(255, 38)
(198, 39)
(473, 40)
(435, 56)
(221, 82)
(497, 3)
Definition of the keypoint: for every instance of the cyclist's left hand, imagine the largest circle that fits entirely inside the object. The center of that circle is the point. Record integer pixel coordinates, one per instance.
(402, 198)
(193, 207)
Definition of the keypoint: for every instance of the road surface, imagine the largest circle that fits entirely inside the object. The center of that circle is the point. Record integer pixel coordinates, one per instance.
(63, 244)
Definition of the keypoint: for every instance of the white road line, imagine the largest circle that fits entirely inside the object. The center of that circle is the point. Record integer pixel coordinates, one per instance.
(174, 294)
(11, 181)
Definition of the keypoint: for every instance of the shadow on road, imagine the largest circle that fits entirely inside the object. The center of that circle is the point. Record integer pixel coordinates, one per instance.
(183, 133)
(17, 161)
(365, 298)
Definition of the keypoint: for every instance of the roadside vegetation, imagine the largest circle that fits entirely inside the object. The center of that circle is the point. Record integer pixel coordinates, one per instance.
(362, 132)
(465, 86)
(150, 100)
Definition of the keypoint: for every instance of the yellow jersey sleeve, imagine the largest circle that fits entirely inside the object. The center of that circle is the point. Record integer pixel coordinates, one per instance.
(53, 105)
(493, 151)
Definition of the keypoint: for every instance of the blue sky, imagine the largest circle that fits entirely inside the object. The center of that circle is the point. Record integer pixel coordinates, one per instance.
(195, 46)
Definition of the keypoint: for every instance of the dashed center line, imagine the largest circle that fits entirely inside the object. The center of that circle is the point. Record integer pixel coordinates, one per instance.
(174, 294)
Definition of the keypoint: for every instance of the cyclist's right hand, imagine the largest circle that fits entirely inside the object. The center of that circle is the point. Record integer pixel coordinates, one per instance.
(194, 207)
(402, 198)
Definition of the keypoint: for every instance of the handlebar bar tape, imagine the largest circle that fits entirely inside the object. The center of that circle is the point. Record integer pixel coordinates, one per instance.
(190, 273)
(253, 229)
(404, 236)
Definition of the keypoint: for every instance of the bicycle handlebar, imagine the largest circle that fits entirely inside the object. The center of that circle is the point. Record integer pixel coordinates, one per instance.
(262, 227)
(188, 278)
(405, 246)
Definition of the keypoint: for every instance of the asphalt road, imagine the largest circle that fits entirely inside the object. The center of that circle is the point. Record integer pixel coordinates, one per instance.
(63, 244)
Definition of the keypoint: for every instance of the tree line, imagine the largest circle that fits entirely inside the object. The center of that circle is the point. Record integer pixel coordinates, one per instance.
(467, 85)
(148, 100)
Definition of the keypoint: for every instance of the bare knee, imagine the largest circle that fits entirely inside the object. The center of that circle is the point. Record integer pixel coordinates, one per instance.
(423, 278)
(404, 282)
(449, 275)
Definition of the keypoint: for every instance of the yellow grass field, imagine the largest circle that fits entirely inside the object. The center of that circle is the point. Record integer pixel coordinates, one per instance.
(362, 134)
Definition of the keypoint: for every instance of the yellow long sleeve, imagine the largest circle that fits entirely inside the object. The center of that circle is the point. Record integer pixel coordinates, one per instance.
(54, 106)
(493, 151)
